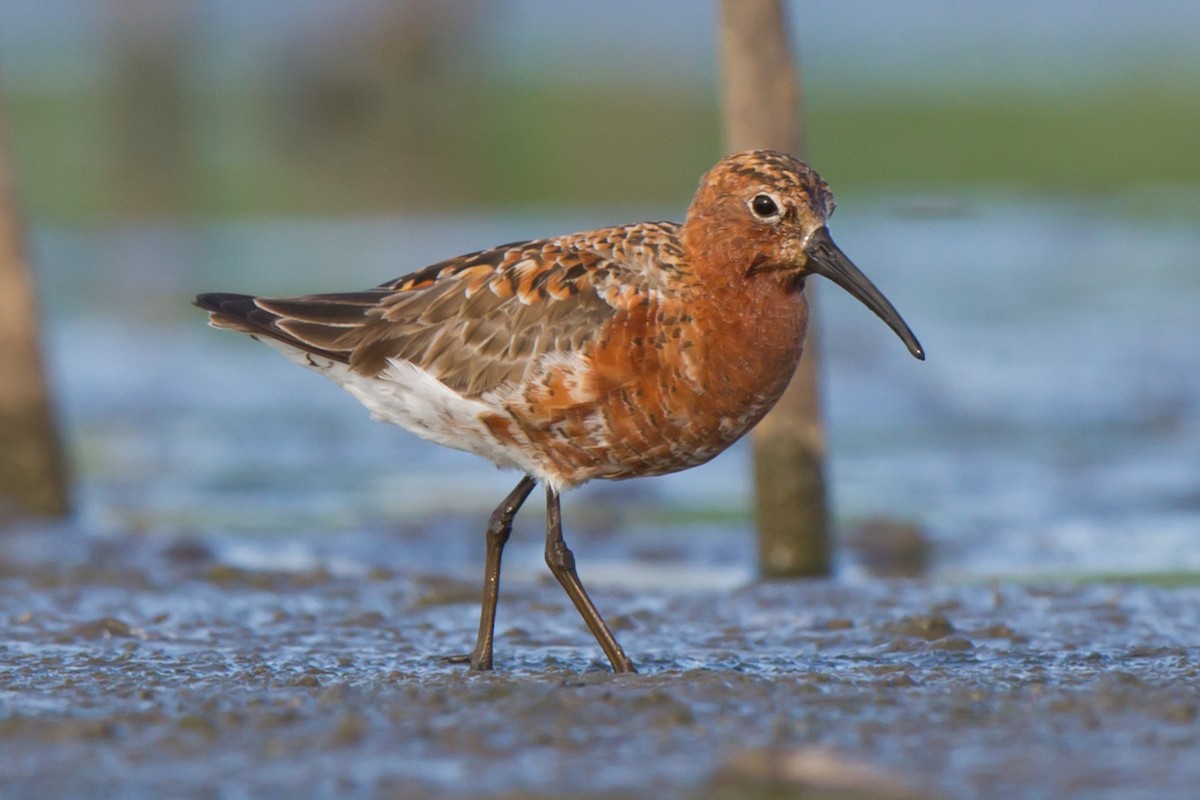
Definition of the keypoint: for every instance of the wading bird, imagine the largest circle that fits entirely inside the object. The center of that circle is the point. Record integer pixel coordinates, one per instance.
(635, 350)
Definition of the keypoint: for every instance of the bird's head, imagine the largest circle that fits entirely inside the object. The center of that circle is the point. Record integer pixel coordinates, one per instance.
(764, 214)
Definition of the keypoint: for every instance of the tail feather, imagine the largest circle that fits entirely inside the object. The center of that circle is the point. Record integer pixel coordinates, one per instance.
(230, 311)
(244, 314)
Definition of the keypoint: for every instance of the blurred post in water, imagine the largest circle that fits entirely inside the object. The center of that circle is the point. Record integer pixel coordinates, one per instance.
(32, 472)
(761, 109)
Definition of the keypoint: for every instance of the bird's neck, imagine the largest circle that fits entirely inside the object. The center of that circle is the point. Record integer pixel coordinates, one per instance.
(754, 322)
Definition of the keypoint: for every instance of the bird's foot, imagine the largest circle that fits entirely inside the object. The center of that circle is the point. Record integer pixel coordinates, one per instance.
(475, 664)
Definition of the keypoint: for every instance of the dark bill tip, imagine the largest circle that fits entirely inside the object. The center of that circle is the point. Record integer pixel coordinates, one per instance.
(827, 260)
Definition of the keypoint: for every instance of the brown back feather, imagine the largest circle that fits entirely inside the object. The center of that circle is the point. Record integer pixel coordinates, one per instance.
(474, 322)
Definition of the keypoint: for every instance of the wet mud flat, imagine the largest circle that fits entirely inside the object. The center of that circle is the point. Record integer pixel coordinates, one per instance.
(142, 666)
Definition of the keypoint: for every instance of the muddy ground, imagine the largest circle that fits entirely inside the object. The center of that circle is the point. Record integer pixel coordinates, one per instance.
(141, 666)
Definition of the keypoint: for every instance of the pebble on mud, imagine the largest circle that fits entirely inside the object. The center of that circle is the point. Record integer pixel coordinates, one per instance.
(814, 772)
(889, 548)
(920, 626)
(104, 628)
(188, 550)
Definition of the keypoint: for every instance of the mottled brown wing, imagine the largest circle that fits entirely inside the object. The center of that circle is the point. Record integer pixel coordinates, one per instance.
(474, 322)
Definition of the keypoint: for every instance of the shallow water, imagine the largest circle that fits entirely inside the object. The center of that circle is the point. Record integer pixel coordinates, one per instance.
(260, 582)
(144, 666)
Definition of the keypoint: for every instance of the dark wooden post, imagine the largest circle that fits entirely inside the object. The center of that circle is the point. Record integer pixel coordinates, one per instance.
(761, 109)
(32, 472)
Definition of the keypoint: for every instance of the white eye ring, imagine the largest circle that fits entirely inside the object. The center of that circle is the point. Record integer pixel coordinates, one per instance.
(765, 207)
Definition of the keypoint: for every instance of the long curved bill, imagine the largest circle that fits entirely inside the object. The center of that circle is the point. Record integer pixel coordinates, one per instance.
(824, 258)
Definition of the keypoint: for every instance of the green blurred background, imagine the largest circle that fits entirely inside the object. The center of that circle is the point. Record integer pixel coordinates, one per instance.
(124, 109)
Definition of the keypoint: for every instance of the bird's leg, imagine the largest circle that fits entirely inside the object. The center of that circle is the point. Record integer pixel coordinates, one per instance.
(498, 530)
(561, 561)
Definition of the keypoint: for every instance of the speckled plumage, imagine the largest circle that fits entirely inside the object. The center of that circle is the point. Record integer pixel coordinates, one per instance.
(634, 350)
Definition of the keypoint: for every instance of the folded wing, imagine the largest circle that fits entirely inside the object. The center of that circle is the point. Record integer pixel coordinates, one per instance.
(473, 322)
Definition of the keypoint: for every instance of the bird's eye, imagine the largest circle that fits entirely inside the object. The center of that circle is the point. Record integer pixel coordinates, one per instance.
(764, 206)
